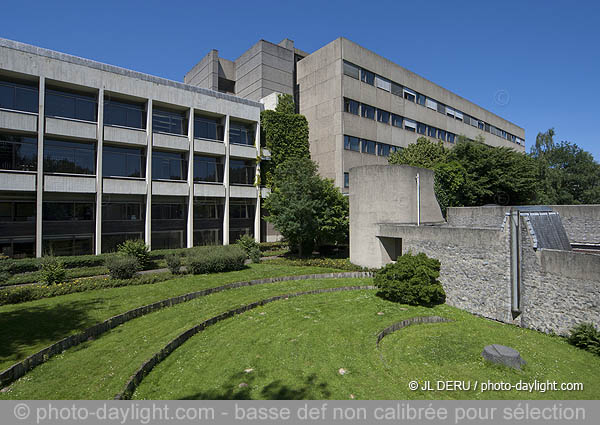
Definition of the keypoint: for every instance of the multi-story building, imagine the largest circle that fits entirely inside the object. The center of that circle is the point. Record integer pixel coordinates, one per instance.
(360, 106)
(92, 154)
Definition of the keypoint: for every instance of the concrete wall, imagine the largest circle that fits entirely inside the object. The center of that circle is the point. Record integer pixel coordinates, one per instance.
(386, 194)
(581, 222)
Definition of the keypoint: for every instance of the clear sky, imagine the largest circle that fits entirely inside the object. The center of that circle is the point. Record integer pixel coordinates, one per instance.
(535, 63)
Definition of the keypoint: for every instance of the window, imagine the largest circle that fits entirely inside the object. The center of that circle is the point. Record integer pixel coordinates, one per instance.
(207, 237)
(458, 115)
(449, 111)
(17, 247)
(68, 211)
(171, 239)
(441, 108)
(382, 83)
(351, 70)
(431, 131)
(397, 89)
(208, 128)
(61, 156)
(166, 121)
(351, 143)
(237, 233)
(394, 149)
(421, 99)
(409, 94)
(241, 210)
(208, 210)
(474, 122)
(168, 166)
(504, 134)
(367, 77)
(241, 134)
(123, 162)
(208, 169)
(410, 125)
(17, 211)
(450, 137)
(383, 149)
(368, 146)
(18, 97)
(111, 241)
(421, 128)
(367, 111)
(346, 179)
(241, 172)
(168, 212)
(226, 86)
(396, 120)
(431, 104)
(383, 116)
(125, 114)
(122, 211)
(68, 245)
(18, 153)
(67, 104)
(480, 125)
(351, 106)
(441, 135)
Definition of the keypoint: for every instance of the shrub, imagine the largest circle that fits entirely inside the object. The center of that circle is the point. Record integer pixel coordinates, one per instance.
(4, 276)
(122, 266)
(137, 249)
(587, 337)
(250, 247)
(216, 259)
(412, 279)
(173, 263)
(52, 270)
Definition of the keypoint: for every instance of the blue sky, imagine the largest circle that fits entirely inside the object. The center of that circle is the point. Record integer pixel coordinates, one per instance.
(541, 56)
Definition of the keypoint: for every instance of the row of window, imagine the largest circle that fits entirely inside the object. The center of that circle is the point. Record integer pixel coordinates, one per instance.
(25, 211)
(61, 156)
(385, 117)
(373, 79)
(355, 144)
(83, 106)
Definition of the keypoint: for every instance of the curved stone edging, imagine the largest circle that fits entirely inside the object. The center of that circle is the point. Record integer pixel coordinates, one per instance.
(19, 369)
(139, 375)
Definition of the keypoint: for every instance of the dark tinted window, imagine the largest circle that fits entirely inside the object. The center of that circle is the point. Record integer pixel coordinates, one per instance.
(351, 143)
(18, 153)
(241, 134)
(383, 116)
(69, 245)
(168, 211)
(241, 172)
(367, 111)
(17, 211)
(173, 122)
(168, 166)
(123, 162)
(396, 89)
(208, 210)
(351, 70)
(346, 179)
(121, 211)
(19, 97)
(396, 120)
(241, 211)
(124, 114)
(421, 128)
(420, 99)
(69, 157)
(368, 146)
(351, 106)
(68, 211)
(383, 149)
(367, 77)
(208, 128)
(70, 105)
(208, 169)
(431, 131)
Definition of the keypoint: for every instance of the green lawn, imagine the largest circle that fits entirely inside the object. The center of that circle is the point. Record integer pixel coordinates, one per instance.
(295, 349)
(99, 369)
(28, 327)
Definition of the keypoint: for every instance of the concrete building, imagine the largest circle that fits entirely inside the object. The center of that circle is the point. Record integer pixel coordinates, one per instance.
(93, 154)
(360, 106)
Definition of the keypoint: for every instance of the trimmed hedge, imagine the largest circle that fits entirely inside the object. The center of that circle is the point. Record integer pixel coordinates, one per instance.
(333, 263)
(412, 279)
(122, 267)
(215, 259)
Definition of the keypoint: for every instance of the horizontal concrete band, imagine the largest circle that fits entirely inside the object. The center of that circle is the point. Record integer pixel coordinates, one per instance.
(137, 378)
(18, 370)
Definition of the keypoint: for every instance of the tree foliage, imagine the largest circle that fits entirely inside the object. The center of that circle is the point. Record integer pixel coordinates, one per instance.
(306, 209)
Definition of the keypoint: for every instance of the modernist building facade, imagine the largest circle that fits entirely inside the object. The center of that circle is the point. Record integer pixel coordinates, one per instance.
(360, 106)
(93, 154)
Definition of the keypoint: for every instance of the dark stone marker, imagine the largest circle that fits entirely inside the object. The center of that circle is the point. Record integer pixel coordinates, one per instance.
(503, 355)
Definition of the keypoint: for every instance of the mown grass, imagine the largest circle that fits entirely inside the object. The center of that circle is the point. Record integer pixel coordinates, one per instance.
(28, 327)
(99, 369)
(295, 349)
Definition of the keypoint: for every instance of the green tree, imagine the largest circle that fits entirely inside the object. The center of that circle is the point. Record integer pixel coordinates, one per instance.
(566, 173)
(306, 209)
(285, 104)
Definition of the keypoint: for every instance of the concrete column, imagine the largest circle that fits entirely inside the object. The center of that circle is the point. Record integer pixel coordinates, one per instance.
(226, 184)
(190, 217)
(256, 181)
(148, 227)
(40, 169)
(100, 134)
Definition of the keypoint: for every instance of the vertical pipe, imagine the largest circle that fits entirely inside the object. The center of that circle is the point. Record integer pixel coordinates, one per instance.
(40, 169)
(99, 149)
(257, 182)
(418, 199)
(148, 226)
(226, 184)
(515, 263)
(190, 217)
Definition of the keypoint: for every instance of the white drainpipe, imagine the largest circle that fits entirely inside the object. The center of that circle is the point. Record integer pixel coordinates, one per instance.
(418, 200)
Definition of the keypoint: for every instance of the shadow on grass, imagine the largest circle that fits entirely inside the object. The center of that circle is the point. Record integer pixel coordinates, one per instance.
(24, 327)
(240, 387)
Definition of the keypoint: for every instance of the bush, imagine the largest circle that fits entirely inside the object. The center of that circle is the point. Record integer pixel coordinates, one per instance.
(4, 276)
(413, 279)
(137, 249)
(587, 337)
(216, 259)
(52, 270)
(173, 263)
(122, 266)
(250, 247)
(330, 263)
